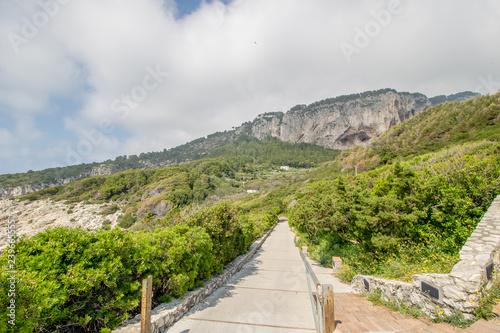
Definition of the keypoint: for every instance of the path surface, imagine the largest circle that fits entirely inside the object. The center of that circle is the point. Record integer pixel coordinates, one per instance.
(270, 295)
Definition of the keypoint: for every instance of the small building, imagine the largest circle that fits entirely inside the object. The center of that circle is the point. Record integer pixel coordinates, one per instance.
(252, 191)
(285, 167)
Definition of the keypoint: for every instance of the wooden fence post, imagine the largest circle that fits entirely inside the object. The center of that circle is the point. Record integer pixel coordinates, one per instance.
(329, 308)
(147, 295)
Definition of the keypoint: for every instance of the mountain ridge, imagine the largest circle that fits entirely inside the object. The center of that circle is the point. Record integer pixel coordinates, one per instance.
(336, 123)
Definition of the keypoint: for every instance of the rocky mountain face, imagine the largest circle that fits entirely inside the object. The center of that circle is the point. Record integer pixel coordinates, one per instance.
(338, 123)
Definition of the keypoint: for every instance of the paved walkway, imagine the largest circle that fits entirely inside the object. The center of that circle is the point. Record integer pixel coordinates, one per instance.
(270, 295)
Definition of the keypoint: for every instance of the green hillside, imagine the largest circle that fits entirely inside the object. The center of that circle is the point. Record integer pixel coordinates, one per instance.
(269, 152)
(90, 281)
(428, 183)
(443, 126)
(223, 173)
(419, 193)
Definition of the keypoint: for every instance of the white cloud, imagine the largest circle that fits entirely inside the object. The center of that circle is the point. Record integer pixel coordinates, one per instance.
(226, 64)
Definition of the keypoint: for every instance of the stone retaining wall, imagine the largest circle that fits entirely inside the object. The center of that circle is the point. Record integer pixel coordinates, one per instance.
(166, 314)
(462, 287)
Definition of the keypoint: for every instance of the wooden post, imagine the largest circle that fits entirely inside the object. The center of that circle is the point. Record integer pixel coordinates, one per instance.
(147, 295)
(329, 308)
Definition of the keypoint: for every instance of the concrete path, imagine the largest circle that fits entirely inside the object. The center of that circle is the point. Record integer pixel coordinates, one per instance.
(270, 295)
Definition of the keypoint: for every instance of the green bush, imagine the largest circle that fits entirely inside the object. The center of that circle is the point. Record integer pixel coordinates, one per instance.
(126, 221)
(91, 280)
(221, 223)
(110, 210)
(269, 218)
(408, 218)
(106, 224)
(75, 279)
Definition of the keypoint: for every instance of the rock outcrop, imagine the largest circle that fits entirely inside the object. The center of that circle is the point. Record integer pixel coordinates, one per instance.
(34, 217)
(157, 208)
(339, 123)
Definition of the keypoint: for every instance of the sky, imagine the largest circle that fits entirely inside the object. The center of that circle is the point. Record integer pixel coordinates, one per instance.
(89, 80)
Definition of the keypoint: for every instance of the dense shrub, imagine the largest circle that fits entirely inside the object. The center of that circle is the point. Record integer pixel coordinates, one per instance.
(78, 280)
(72, 278)
(412, 217)
(110, 210)
(126, 221)
(221, 223)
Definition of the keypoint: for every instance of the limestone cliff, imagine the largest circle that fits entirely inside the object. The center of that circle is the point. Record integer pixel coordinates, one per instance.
(339, 123)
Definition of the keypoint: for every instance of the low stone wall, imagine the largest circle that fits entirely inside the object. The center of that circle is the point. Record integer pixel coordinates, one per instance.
(166, 314)
(462, 287)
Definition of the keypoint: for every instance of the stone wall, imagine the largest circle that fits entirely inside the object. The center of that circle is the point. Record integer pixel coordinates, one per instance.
(166, 314)
(462, 287)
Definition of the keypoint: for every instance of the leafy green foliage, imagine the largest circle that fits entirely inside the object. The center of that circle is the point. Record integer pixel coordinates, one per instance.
(77, 279)
(413, 212)
(273, 153)
(490, 297)
(416, 214)
(222, 225)
(126, 221)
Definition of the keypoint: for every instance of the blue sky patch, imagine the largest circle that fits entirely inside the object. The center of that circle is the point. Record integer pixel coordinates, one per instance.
(186, 7)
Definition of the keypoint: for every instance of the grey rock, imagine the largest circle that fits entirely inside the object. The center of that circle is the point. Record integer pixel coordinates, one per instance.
(340, 123)
(34, 217)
